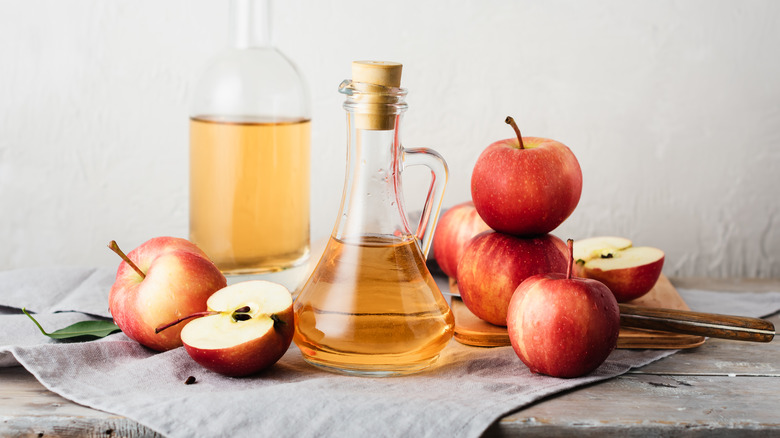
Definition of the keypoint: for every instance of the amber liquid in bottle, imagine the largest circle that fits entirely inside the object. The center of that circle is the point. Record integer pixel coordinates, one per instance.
(371, 306)
(249, 193)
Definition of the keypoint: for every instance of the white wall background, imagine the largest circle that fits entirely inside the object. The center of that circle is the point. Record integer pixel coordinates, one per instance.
(672, 108)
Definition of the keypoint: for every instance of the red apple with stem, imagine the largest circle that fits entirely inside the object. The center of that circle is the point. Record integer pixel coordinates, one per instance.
(456, 228)
(161, 280)
(494, 264)
(526, 186)
(563, 326)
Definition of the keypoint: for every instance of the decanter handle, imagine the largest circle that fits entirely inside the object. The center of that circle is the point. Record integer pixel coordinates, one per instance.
(430, 212)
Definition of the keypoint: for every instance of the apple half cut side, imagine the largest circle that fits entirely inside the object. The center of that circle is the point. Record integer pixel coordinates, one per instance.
(594, 247)
(628, 273)
(250, 329)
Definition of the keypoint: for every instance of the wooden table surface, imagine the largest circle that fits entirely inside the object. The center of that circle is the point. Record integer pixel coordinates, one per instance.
(723, 388)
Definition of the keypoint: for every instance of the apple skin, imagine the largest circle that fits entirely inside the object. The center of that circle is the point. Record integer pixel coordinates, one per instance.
(179, 280)
(526, 192)
(628, 283)
(456, 228)
(494, 264)
(563, 327)
(252, 356)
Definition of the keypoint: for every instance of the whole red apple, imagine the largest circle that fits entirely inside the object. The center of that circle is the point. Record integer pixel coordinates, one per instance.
(161, 280)
(526, 186)
(562, 326)
(456, 228)
(494, 264)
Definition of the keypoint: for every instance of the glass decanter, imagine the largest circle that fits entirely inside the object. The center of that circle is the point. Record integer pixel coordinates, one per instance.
(371, 307)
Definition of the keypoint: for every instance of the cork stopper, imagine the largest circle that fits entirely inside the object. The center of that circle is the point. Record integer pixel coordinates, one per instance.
(383, 73)
(376, 114)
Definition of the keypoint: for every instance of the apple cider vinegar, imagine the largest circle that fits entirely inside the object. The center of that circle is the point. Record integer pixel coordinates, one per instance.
(249, 193)
(372, 307)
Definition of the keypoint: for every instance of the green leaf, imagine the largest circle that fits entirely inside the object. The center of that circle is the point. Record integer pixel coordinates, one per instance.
(83, 329)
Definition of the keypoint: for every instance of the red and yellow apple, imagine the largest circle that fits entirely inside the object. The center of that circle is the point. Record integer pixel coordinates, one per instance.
(456, 228)
(249, 327)
(494, 264)
(563, 326)
(526, 186)
(629, 272)
(161, 280)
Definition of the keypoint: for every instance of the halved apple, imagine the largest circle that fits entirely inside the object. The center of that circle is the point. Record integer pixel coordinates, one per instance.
(629, 273)
(594, 247)
(249, 329)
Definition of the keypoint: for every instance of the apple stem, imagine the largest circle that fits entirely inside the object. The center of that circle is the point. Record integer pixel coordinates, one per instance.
(194, 315)
(240, 314)
(570, 263)
(510, 121)
(114, 247)
(276, 319)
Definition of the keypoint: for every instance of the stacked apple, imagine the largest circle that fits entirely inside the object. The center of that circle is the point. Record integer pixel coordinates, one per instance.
(457, 226)
(518, 275)
(522, 188)
(240, 330)
(494, 264)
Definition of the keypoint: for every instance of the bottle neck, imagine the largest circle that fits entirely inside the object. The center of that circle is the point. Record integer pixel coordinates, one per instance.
(250, 23)
(372, 202)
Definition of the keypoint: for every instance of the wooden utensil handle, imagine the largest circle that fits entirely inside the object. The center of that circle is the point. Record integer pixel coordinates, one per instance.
(738, 328)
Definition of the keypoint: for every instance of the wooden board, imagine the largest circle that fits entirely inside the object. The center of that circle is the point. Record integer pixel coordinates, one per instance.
(471, 330)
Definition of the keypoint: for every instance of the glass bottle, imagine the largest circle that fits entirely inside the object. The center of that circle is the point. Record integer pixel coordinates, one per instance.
(371, 307)
(249, 152)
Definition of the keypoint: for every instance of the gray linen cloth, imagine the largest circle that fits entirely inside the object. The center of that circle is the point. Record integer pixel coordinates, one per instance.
(466, 391)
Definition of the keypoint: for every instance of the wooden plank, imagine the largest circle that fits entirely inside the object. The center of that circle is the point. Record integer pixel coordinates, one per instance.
(470, 330)
(728, 284)
(27, 408)
(722, 357)
(647, 405)
(723, 388)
